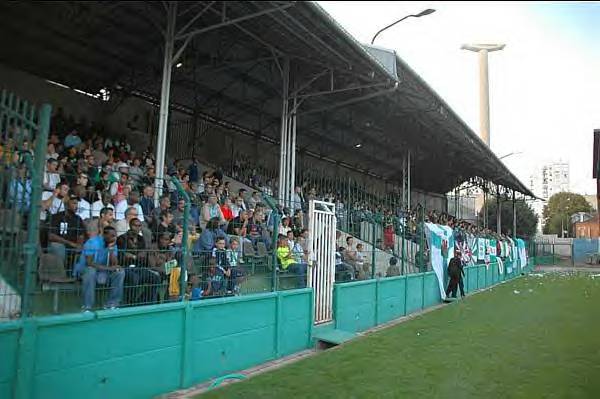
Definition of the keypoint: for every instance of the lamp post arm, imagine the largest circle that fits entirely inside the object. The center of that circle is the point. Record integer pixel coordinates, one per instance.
(389, 26)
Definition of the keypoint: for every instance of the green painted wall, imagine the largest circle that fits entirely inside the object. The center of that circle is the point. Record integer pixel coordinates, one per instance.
(391, 300)
(355, 305)
(432, 290)
(146, 351)
(9, 339)
(414, 293)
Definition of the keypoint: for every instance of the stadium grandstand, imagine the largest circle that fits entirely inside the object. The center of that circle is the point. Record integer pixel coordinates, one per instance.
(163, 152)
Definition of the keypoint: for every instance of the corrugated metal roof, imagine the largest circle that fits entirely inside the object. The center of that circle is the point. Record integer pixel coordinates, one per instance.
(231, 74)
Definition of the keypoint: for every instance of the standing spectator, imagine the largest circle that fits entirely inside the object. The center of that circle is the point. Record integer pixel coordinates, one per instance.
(454, 271)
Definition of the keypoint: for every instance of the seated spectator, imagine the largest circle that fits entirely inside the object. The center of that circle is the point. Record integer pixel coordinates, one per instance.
(122, 226)
(54, 201)
(226, 209)
(84, 209)
(215, 280)
(147, 204)
(287, 262)
(99, 265)
(254, 199)
(178, 216)
(285, 226)
(106, 219)
(166, 225)
(393, 269)
(117, 187)
(163, 205)
(132, 251)
(211, 210)
(361, 260)
(66, 230)
(72, 139)
(219, 253)
(343, 271)
(103, 202)
(207, 240)
(134, 201)
(51, 176)
(121, 203)
(19, 191)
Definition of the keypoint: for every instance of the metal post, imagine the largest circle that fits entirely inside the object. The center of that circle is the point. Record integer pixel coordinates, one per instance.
(514, 204)
(408, 181)
(498, 212)
(292, 153)
(373, 251)
(485, 207)
(31, 247)
(284, 132)
(164, 99)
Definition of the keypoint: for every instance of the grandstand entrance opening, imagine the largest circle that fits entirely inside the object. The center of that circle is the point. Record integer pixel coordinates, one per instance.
(321, 275)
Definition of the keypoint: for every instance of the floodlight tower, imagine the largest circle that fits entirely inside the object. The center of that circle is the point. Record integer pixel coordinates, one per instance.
(484, 89)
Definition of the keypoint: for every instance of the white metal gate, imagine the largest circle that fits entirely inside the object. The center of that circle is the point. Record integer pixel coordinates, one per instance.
(321, 276)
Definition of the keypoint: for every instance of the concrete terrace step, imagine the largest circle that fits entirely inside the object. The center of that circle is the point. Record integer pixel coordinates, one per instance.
(334, 336)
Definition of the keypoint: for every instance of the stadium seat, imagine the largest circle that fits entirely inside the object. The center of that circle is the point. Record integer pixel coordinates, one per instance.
(53, 277)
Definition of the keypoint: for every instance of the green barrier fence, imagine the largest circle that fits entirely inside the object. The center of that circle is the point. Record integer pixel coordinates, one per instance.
(361, 305)
(103, 355)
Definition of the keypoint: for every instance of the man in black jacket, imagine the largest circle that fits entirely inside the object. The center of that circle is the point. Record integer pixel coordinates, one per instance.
(455, 270)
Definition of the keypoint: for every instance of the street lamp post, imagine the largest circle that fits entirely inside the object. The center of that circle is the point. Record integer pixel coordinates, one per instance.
(421, 14)
(484, 90)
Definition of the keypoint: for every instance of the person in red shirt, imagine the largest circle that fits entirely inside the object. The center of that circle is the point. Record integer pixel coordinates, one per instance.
(226, 209)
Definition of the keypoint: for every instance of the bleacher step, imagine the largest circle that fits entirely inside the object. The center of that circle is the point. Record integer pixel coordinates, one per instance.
(334, 336)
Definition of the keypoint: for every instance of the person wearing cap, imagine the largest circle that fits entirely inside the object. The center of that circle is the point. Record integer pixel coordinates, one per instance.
(454, 273)
(66, 230)
(72, 139)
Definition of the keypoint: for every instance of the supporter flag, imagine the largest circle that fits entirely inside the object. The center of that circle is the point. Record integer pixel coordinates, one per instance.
(481, 248)
(441, 250)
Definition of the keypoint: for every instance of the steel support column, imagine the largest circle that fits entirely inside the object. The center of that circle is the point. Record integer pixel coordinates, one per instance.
(408, 180)
(514, 205)
(165, 92)
(292, 153)
(498, 212)
(283, 154)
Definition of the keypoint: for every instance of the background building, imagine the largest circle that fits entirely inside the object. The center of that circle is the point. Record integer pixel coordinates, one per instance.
(547, 180)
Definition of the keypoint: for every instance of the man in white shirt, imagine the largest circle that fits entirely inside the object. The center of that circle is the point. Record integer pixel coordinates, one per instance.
(51, 176)
(84, 209)
(54, 201)
(104, 202)
(121, 204)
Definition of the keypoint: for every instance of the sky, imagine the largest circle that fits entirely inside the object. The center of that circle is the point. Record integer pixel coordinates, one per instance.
(544, 85)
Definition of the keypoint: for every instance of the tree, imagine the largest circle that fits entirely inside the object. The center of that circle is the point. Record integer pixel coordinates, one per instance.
(557, 212)
(526, 219)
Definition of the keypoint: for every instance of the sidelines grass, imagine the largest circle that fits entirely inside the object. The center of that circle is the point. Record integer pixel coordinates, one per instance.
(543, 343)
